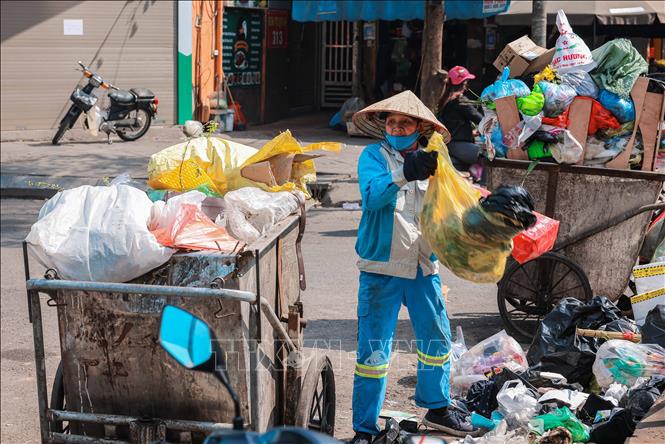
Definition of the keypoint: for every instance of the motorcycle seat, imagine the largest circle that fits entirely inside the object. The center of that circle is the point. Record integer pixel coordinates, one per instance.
(121, 96)
(143, 93)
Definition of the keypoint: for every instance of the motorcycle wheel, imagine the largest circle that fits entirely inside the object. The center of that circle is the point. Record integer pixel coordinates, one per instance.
(66, 123)
(136, 132)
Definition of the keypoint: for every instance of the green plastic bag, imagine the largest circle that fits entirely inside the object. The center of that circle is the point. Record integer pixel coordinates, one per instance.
(563, 417)
(532, 104)
(618, 66)
(538, 150)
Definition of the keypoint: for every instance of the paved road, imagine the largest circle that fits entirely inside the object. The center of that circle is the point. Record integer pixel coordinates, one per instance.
(330, 300)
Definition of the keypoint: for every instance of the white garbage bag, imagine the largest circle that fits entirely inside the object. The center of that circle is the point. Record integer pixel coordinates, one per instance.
(261, 211)
(97, 234)
(571, 53)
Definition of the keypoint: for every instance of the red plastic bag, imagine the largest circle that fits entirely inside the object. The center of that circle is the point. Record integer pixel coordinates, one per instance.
(600, 118)
(560, 121)
(535, 241)
(191, 229)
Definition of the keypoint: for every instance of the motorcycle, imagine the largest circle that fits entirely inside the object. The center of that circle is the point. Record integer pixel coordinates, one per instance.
(129, 115)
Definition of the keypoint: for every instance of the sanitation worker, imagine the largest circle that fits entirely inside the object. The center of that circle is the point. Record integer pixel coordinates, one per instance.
(397, 266)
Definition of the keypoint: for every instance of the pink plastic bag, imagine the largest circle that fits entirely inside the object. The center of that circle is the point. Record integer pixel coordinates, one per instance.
(181, 223)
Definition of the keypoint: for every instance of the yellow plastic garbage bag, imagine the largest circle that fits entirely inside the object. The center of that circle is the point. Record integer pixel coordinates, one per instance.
(214, 166)
(470, 241)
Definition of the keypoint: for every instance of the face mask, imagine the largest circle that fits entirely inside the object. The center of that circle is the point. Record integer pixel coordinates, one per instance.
(401, 143)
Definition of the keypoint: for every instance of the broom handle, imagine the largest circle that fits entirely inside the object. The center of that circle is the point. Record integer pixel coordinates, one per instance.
(228, 91)
(628, 336)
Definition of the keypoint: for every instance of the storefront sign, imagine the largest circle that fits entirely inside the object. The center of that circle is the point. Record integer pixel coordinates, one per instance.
(247, 3)
(277, 28)
(242, 41)
(369, 31)
(494, 6)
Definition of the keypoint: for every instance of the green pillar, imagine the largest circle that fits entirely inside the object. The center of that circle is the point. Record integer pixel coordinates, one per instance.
(185, 94)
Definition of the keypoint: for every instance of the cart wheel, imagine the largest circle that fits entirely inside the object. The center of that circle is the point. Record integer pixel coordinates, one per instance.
(316, 405)
(58, 400)
(528, 292)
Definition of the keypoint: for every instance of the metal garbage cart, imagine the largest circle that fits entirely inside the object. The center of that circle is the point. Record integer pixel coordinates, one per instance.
(115, 383)
(603, 214)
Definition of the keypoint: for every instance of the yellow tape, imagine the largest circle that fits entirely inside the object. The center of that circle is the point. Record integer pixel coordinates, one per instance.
(646, 296)
(370, 375)
(649, 271)
(371, 367)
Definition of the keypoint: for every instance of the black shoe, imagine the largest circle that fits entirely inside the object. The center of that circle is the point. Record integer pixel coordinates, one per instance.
(361, 438)
(449, 421)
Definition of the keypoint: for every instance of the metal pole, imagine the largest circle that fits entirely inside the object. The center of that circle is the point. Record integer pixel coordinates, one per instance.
(539, 22)
(122, 420)
(26, 268)
(110, 287)
(40, 362)
(276, 324)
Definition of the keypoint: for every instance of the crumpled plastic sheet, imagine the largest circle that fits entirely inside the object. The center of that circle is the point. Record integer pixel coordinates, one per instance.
(500, 435)
(582, 82)
(618, 65)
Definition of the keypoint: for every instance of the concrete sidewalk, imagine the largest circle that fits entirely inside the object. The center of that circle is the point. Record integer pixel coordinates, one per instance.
(30, 167)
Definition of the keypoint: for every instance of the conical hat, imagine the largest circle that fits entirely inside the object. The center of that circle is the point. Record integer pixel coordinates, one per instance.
(367, 120)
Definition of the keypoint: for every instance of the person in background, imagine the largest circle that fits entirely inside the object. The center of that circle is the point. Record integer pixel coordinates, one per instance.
(457, 113)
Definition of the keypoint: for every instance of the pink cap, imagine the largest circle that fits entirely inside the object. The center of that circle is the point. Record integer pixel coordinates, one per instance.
(458, 74)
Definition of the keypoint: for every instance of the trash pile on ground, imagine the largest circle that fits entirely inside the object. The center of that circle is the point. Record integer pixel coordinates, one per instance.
(205, 194)
(571, 105)
(572, 384)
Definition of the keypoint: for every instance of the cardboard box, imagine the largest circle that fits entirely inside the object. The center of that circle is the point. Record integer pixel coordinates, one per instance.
(523, 56)
(276, 170)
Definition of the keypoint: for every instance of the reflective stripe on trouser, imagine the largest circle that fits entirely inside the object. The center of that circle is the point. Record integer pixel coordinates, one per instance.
(379, 300)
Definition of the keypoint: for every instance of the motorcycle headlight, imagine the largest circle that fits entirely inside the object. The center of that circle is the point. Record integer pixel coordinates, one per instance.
(83, 100)
(96, 81)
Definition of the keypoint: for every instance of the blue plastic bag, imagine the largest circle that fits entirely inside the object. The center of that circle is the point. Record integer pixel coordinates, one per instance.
(504, 88)
(497, 140)
(623, 109)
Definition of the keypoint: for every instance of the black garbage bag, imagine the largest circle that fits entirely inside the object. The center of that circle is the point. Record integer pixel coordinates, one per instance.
(623, 325)
(591, 406)
(619, 426)
(653, 330)
(640, 399)
(544, 136)
(481, 397)
(556, 346)
(514, 202)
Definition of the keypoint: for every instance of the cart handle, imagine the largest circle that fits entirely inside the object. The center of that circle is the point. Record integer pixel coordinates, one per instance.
(162, 290)
(165, 290)
(609, 224)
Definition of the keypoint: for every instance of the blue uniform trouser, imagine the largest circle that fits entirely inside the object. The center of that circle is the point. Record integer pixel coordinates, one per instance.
(379, 300)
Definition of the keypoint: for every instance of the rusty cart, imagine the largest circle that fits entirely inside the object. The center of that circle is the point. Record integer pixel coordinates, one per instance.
(115, 384)
(603, 214)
